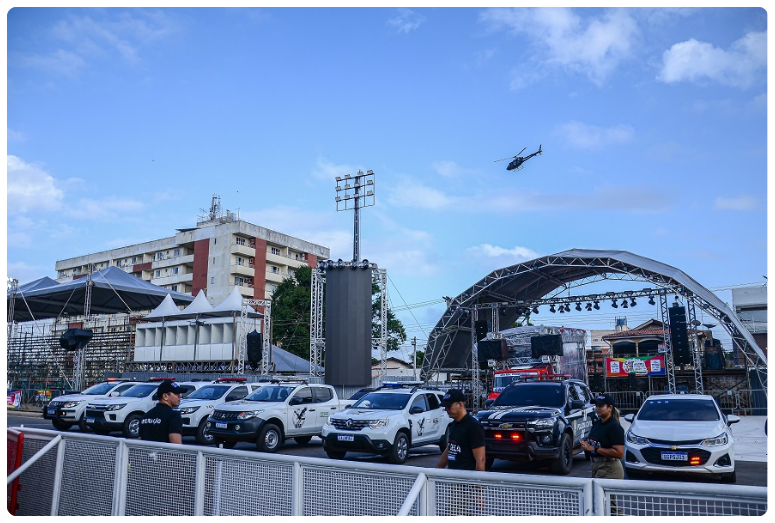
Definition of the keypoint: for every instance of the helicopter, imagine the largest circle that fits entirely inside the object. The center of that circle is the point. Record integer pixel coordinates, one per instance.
(517, 163)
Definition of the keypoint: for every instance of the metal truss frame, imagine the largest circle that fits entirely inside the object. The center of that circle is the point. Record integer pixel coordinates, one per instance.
(266, 350)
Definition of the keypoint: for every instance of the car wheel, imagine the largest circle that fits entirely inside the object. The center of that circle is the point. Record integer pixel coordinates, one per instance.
(203, 436)
(564, 462)
(131, 427)
(61, 425)
(269, 438)
(226, 444)
(303, 440)
(444, 441)
(82, 424)
(729, 478)
(400, 449)
(335, 454)
(488, 462)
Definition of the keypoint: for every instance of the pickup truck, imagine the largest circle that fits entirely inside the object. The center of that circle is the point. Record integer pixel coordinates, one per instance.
(276, 411)
(68, 410)
(538, 420)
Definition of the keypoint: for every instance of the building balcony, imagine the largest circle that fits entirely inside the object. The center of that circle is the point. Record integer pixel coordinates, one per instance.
(242, 270)
(173, 279)
(244, 250)
(172, 261)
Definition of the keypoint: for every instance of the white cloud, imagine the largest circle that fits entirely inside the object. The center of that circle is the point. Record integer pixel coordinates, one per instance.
(410, 193)
(592, 47)
(30, 188)
(406, 20)
(585, 136)
(108, 208)
(493, 256)
(326, 170)
(693, 61)
(449, 169)
(740, 203)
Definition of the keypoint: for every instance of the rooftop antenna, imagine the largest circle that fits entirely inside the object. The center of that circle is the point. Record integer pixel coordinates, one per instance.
(215, 210)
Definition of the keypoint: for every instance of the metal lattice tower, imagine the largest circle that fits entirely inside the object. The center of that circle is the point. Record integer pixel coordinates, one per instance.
(317, 340)
(380, 277)
(266, 351)
(694, 343)
(670, 371)
(475, 389)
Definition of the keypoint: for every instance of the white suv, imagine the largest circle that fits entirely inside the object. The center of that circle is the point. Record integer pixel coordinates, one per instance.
(200, 404)
(388, 421)
(124, 413)
(68, 410)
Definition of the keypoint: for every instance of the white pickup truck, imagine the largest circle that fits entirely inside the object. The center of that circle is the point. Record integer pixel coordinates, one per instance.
(276, 411)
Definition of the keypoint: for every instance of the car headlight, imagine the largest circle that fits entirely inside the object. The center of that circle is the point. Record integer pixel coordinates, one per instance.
(249, 414)
(378, 424)
(721, 439)
(118, 406)
(71, 404)
(187, 410)
(635, 439)
(542, 424)
(328, 421)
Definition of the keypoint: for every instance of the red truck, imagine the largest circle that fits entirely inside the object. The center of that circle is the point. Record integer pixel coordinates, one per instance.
(530, 372)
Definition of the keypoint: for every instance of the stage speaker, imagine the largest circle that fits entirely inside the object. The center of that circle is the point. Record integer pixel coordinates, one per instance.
(492, 350)
(75, 339)
(679, 338)
(255, 343)
(546, 345)
(480, 327)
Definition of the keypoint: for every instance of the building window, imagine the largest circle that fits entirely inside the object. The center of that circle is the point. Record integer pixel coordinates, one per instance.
(177, 252)
(212, 280)
(276, 251)
(134, 260)
(239, 241)
(174, 288)
(175, 270)
(239, 261)
(275, 270)
(158, 273)
(159, 256)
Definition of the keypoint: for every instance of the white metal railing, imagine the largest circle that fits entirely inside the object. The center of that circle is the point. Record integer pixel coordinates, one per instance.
(101, 475)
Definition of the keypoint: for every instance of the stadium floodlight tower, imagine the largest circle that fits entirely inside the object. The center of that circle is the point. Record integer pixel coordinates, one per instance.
(347, 340)
(357, 192)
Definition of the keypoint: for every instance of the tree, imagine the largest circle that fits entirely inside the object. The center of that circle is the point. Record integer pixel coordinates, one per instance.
(291, 315)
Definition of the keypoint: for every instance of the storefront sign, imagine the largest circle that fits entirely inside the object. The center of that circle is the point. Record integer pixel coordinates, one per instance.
(641, 366)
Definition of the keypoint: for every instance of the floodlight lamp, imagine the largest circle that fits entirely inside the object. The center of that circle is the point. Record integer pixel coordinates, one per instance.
(624, 304)
(369, 182)
(651, 300)
(633, 303)
(597, 306)
(614, 304)
(364, 264)
(338, 178)
(339, 264)
(369, 172)
(578, 305)
(567, 307)
(562, 309)
(551, 308)
(338, 198)
(369, 193)
(589, 306)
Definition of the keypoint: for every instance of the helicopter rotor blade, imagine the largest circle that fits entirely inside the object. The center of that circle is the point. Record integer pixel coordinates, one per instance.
(504, 159)
(520, 152)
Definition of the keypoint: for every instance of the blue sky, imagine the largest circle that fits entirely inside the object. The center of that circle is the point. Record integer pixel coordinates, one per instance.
(123, 122)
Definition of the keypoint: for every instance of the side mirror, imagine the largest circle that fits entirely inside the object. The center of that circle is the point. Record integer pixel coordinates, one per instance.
(732, 419)
(295, 401)
(629, 417)
(488, 402)
(577, 404)
(416, 410)
(114, 394)
(348, 405)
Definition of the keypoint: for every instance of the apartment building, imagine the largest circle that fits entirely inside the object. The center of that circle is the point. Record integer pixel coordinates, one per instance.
(220, 253)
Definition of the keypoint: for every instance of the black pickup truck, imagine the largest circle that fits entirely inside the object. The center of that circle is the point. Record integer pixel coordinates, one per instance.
(538, 420)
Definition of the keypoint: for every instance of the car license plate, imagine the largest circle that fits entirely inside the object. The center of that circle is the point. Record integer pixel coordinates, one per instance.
(675, 456)
(221, 425)
(345, 437)
(51, 412)
(89, 420)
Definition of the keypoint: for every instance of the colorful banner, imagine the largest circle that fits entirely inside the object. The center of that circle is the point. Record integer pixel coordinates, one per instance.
(14, 399)
(640, 365)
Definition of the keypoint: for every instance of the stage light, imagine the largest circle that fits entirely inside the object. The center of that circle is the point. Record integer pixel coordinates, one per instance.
(535, 310)
(551, 308)
(624, 304)
(651, 300)
(589, 306)
(597, 306)
(633, 303)
(567, 307)
(578, 305)
(614, 304)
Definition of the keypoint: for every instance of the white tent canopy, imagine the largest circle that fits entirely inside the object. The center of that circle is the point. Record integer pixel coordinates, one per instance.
(200, 307)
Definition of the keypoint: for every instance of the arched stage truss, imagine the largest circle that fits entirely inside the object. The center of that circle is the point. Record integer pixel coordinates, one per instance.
(513, 291)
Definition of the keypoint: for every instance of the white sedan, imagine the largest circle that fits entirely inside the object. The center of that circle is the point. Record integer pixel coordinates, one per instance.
(680, 433)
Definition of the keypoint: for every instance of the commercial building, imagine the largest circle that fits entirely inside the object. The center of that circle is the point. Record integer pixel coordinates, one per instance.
(750, 305)
(222, 252)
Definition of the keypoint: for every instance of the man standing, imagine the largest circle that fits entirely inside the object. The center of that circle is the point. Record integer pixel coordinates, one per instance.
(161, 423)
(465, 451)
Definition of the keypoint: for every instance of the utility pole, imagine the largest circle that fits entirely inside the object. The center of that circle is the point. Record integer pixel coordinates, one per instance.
(362, 186)
(414, 359)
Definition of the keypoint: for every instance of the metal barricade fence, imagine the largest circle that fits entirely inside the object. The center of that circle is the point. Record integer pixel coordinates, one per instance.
(100, 475)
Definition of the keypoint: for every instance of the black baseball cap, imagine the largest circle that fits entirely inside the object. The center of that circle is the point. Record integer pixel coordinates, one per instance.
(452, 396)
(604, 399)
(169, 386)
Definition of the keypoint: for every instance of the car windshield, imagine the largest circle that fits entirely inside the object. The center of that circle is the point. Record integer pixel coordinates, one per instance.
(209, 392)
(358, 395)
(503, 380)
(270, 393)
(382, 401)
(679, 410)
(99, 389)
(141, 390)
(527, 395)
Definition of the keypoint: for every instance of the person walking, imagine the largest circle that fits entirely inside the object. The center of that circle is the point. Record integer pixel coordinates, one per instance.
(162, 423)
(465, 451)
(605, 443)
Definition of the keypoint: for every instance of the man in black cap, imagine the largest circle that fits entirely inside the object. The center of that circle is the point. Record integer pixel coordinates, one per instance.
(605, 443)
(465, 451)
(162, 423)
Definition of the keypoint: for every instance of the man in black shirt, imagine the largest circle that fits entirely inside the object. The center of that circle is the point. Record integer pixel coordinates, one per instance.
(161, 423)
(465, 451)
